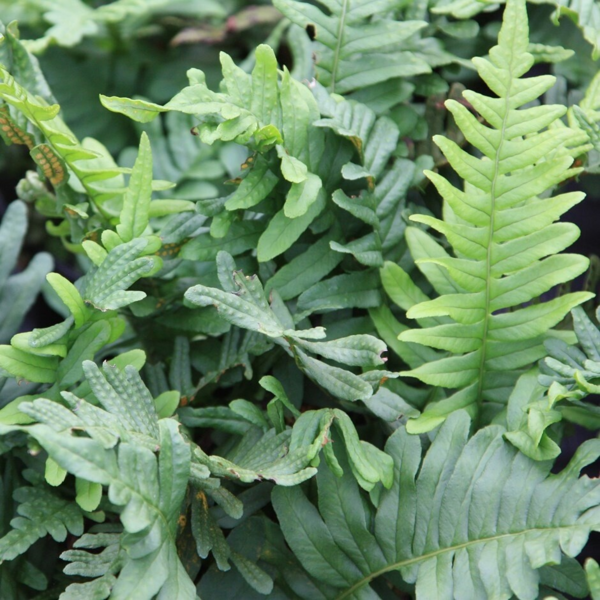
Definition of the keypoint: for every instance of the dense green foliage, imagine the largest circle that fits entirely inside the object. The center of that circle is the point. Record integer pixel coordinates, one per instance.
(312, 331)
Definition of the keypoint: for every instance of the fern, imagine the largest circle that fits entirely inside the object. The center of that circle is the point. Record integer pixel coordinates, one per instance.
(40, 513)
(468, 524)
(500, 229)
(61, 140)
(543, 399)
(148, 491)
(353, 49)
(279, 123)
(379, 206)
(267, 450)
(125, 431)
(17, 292)
(177, 401)
(52, 355)
(243, 304)
(585, 14)
(274, 121)
(571, 372)
(73, 20)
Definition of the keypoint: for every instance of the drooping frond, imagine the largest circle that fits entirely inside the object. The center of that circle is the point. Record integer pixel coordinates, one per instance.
(267, 450)
(244, 304)
(471, 518)
(502, 230)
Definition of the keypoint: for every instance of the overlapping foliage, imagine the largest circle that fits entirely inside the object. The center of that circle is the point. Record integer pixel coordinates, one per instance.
(524, 537)
(219, 405)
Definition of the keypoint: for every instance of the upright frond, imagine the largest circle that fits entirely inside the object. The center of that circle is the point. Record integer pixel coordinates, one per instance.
(503, 232)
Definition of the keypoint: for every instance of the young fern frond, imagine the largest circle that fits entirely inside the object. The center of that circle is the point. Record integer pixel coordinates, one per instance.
(503, 234)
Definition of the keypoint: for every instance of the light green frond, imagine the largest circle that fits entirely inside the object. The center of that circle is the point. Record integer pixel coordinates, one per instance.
(502, 233)
(572, 372)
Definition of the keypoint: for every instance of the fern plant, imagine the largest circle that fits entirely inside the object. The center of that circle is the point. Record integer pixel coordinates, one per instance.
(503, 233)
(124, 432)
(210, 401)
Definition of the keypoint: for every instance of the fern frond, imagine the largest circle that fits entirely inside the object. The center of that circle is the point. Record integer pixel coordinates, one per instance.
(85, 166)
(275, 120)
(541, 399)
(244, 304)
(52, 355)
(503, 234)
(572, 372)
(149, 492)
(586, 13)
(40, 513)
(267, 450)
(126, 410)
(124, 433)
(353, 49)
(61, 140)
(474, 518)
(17, 292)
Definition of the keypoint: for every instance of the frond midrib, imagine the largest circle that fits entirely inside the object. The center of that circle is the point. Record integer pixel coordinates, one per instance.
(338, 47)
(469, 544)
(488, 269)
